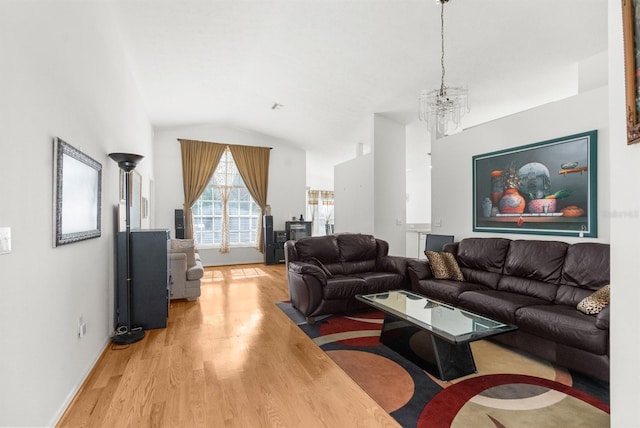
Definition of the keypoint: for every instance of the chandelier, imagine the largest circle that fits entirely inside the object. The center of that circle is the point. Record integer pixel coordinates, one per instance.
(446, 105)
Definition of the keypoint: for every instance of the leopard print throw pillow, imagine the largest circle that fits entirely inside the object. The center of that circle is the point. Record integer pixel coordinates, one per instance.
(444, 266)
(593, 304)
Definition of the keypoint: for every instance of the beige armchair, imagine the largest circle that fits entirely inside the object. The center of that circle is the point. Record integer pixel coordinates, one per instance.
(185, 269)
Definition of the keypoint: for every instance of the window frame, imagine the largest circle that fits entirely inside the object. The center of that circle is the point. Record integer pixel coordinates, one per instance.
(236, 215)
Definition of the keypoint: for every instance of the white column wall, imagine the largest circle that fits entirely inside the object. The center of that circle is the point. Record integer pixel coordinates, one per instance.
(354, 194)
(63, 73)
(390, 176)
(418, 158)
(624, 213)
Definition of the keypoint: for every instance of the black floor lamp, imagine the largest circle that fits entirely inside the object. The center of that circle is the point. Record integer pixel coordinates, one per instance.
(127, 162)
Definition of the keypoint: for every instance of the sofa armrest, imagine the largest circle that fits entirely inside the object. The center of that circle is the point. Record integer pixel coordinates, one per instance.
(602, 319)
(177, 262)
(195, 272)
(306, 268)
(396, 264)
(306, 282)
(419, 270)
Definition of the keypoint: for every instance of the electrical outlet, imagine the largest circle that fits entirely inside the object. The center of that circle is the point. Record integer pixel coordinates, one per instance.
(82, 327)
(437, 223)
(5, 240)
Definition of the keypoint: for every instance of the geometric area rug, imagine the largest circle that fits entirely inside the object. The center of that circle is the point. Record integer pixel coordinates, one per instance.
(510, 389)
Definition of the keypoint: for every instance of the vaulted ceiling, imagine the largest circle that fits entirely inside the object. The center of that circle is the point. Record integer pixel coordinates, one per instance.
(331, 64)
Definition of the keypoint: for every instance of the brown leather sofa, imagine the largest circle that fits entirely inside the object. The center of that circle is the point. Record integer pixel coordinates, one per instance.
(326, 272)
(535, 285)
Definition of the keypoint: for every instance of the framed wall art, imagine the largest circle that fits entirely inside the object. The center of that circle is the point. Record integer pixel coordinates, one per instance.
(544, 188)
(77, 194)
(631, 28)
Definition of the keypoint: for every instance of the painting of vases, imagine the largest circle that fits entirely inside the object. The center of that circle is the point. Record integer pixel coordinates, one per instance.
(547, 188)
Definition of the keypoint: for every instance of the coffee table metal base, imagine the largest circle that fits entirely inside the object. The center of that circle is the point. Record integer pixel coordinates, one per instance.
(442, 359)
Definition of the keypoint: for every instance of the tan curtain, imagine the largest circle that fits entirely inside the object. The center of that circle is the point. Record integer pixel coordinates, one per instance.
(312, 209)
(199, 161)
(253, 166)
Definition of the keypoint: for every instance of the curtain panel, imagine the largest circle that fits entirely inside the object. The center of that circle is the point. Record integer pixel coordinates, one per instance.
(253, 166)
(321, 221)
(199, 162)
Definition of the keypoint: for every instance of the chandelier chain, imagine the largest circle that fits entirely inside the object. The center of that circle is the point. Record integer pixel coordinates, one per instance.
(442, 88)
(445, 105)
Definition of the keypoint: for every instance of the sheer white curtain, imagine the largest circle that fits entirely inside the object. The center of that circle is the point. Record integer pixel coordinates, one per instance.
(312, 211)
(327, 204)
(320, 211)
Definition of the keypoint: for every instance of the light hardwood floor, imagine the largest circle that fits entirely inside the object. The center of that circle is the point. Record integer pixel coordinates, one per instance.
(229, 359)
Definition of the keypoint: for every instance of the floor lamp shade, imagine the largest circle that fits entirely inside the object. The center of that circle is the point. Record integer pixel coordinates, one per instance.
(127, 162)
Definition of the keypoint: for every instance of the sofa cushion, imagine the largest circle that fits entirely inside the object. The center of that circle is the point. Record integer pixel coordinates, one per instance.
(570, 295)
(184, 246)
(563, 324)
(528, 287)
(445, 290)
(344, 287)
(586, 269)
(596, 302)
(177, 244)
(486, 254)
(444, 266)
(487, 279)
(378, 282)
(538, 260)
(356, 247)
(586, 265)
(501, 305)
(355, 267)
(323, 248)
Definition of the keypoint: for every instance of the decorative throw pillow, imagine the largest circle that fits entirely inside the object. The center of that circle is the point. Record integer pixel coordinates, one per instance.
(177, 244)
(185, 246)
(444, 266)
(596, 302)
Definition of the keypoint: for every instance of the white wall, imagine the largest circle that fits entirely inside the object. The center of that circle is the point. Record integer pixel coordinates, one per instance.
(353, 209)
(370, 190)
(389, 178)
(62, 73)
(287, 188)
(418, 161)
(319, 171)
(452, 167)
(624, 213)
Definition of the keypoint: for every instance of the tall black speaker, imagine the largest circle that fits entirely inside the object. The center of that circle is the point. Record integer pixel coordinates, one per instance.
(179, 222)
(269, 247)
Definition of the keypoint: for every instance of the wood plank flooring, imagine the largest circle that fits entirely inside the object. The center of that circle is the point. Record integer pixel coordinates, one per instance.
(229, 359)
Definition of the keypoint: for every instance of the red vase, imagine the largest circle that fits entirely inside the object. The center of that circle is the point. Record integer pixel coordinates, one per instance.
(511, 202)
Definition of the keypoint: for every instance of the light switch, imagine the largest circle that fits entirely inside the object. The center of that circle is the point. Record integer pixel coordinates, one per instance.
(5, 240)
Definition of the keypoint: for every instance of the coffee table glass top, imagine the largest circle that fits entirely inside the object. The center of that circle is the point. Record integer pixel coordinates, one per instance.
(447, 322)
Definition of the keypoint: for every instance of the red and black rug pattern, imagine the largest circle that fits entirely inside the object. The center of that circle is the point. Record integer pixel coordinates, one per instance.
(510, 389)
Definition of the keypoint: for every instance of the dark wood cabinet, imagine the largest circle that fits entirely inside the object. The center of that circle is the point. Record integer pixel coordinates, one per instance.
(149, 279)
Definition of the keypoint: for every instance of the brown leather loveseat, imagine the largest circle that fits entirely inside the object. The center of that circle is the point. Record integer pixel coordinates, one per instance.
(535, 285)
(326, 272)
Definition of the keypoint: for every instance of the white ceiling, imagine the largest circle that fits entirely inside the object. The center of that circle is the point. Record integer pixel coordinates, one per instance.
(333, 63)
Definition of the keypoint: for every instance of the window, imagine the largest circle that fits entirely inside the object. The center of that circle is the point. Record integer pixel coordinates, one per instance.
(242, 212)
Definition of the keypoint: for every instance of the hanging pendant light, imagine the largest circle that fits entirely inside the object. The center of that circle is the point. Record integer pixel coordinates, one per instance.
(442, 108)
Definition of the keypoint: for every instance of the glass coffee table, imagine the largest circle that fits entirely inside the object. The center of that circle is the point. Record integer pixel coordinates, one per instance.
(433, 335)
